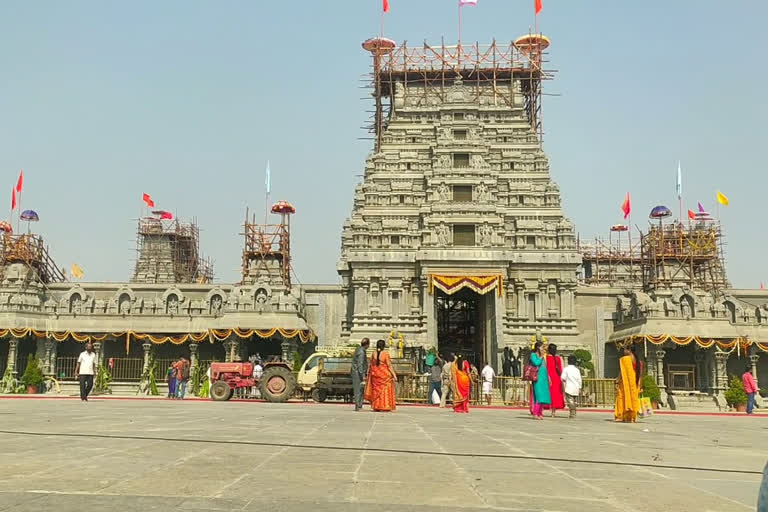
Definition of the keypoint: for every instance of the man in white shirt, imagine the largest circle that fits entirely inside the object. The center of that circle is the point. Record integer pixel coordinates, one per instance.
(488, 374)
(258, 372)
(84, 371)
(571, 378)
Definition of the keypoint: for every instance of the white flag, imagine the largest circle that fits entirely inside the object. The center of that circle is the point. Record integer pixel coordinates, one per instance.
(462, 3)
(679, 181)
(268, 180)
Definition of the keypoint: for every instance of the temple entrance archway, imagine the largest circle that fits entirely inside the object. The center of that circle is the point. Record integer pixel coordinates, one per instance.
(462, 326)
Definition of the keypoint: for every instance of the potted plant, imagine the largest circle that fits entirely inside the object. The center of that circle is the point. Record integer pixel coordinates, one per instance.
(651, 390)
(735, 396)
(33, 376)
(764, 392)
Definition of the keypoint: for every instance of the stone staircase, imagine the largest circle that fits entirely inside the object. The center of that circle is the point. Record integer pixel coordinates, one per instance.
(695, 401)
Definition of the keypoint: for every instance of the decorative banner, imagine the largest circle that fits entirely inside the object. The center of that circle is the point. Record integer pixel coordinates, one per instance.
(305, 335)
(478, 284)
(736, 343)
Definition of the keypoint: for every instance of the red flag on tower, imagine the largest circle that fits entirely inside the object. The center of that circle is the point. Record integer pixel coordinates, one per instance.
(20, 182)
(148, 200)
(13, 198)
(537, 6)
(691, 215)
(385, 5)
(626, 207)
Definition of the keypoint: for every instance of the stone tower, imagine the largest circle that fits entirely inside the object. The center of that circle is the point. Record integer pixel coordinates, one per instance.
(457, 238)
(169, 252)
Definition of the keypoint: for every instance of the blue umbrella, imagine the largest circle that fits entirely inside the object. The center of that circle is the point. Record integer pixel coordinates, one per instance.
(29, 216)
(660, 212)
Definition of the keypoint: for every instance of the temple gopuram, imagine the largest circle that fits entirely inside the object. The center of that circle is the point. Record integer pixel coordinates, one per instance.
(456, 241)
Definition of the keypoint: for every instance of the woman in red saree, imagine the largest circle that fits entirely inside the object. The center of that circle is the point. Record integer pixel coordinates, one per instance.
(380, 386)
(461, 384)
(554, 370)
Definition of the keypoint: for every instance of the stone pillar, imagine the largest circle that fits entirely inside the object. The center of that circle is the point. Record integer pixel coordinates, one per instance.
(429, 312)
(147, 346)
(660, 374)
(652, 365)
(753, 360)
(288, 347)
(522, 305)
(13, 345)
(232, 346)
(99, 355)
(49, 363)
(698, 357)
(721, 374)
(193, 354)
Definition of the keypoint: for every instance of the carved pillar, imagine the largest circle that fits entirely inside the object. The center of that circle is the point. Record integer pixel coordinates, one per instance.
(232, 345)
(753, 360)
(698, 357)
(415, 303)
(510, 304)
(288, 347)
(49, 362)
(721, 380)
(521, 305)
(13, 345)
(660, 374)
(98, 352)
(193, 354)
(147, 346)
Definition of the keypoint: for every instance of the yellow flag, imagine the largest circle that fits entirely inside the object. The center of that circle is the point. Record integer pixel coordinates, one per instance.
(77, 271)
(722, 199)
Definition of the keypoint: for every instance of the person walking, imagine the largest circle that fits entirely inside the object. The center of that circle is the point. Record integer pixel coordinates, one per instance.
(360, 371)
(84, 371)
(488, 375)
(380, 384)
(627, 392)
(258, 373)
(447, 380)
(171, 376)
(571, 379)
(540, 387)
(555, 370)
(750, 387)
(435, 382)
(182, 376)
(461, 384)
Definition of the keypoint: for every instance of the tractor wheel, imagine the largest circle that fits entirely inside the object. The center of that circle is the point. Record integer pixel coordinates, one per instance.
(277, 384)
(220, 391)
(319, 395)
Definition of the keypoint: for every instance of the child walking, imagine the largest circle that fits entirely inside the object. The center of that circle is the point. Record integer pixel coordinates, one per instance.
(571, 378)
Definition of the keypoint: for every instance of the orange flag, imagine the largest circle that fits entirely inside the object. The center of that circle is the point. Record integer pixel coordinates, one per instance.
(385, 5)
(537, 6)
(13, 198)
(691, 215)
(626, 207)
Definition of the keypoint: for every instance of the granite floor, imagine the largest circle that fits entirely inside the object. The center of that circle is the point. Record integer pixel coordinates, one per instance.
(142, 455)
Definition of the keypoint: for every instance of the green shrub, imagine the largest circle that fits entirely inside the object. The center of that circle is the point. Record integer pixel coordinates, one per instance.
(735, 394)
(650, 389)
(764, 392)
(584, 361)
(33, 375)
(103, 382)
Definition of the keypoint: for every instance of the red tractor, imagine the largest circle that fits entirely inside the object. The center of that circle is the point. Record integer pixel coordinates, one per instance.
(277, 383)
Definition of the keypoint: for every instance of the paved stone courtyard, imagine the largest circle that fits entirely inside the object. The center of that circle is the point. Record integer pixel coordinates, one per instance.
(142, 455)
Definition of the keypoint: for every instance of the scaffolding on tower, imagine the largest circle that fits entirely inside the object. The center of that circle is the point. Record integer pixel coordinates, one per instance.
(267, 249)
(496, 67)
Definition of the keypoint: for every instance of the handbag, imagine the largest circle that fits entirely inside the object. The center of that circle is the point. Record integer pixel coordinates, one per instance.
(530, 373)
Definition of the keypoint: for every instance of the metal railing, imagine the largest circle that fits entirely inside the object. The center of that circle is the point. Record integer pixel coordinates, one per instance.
(509, 391)
(126, 369)
(65, 367)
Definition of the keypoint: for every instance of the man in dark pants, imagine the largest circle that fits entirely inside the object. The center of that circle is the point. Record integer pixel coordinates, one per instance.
(360, 371)
(85, 369)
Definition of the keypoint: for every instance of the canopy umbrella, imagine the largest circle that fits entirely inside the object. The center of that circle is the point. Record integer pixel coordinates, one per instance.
(29, 216)
(283, 207)
(660, 212)
(6, 227)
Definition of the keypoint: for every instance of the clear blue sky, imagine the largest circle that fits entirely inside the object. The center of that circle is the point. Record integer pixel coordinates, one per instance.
(186, 100)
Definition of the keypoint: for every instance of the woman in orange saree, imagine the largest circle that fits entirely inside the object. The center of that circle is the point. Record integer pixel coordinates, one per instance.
(380, 385)
(627, 394)
(461, 385)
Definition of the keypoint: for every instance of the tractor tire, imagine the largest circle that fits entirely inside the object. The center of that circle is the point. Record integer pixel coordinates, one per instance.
(319, 395)
(277, 384)
(220, 391)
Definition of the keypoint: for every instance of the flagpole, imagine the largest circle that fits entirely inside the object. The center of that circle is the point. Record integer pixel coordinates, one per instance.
(459, 23)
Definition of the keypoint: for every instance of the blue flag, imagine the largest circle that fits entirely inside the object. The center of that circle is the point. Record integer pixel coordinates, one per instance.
(268, 180)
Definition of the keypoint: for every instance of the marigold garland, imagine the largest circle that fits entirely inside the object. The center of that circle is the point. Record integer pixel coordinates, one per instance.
(196, 337)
